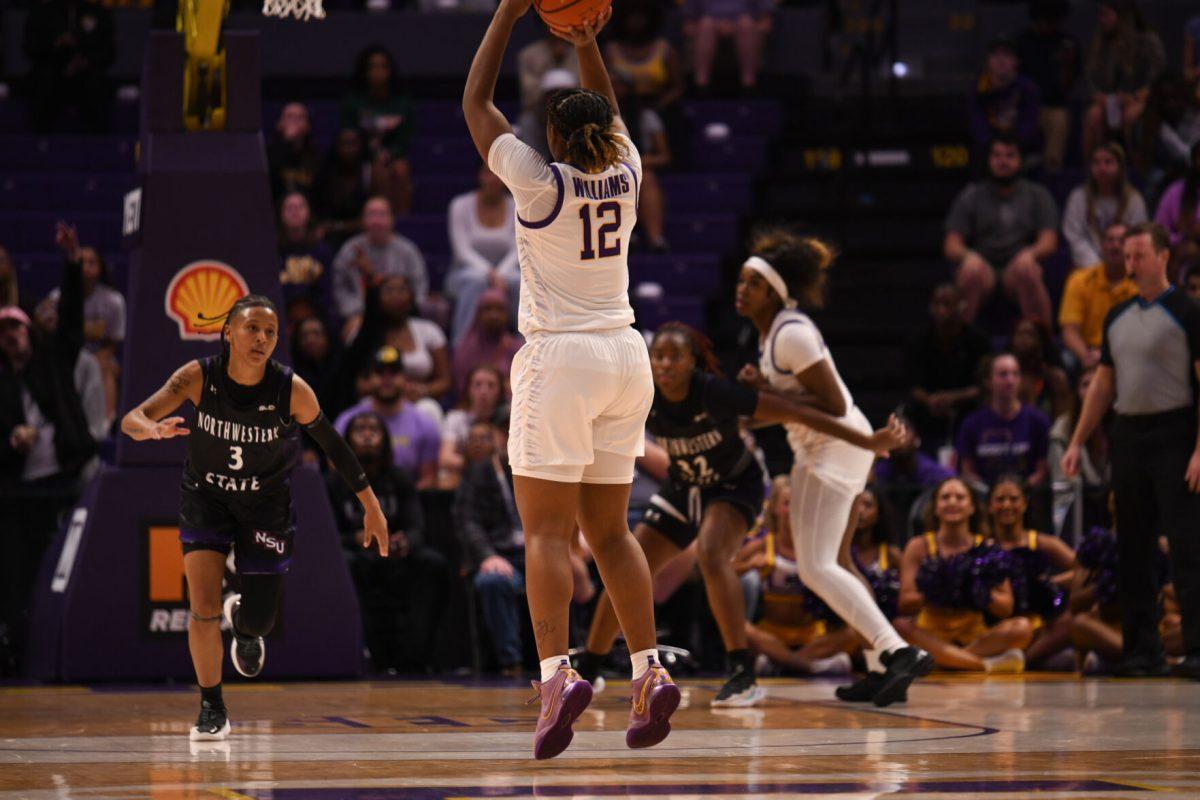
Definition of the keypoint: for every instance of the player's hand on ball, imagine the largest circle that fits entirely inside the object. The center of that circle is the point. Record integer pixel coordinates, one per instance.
(375, 530)
(168, 428)
(583, 35)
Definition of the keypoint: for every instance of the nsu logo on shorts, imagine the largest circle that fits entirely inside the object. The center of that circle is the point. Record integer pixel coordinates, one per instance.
(267, 540)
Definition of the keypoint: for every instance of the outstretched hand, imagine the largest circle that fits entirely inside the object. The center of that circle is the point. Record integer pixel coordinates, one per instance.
(168, 429)
(585, 34)
(375, 530)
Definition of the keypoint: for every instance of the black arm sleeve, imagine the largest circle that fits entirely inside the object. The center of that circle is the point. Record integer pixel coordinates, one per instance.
(335, 447)
(725, 399)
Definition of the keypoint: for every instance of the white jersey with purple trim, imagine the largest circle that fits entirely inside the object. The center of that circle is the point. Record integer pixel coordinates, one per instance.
(792, 345)
(573, 233)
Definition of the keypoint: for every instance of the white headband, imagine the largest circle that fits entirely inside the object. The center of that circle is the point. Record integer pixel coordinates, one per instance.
(764, 268)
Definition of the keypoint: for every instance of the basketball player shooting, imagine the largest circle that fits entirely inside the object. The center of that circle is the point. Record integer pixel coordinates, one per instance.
(582, 387)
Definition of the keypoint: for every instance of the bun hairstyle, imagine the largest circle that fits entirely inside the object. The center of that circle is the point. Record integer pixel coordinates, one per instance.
(583, 119)
(802, 261)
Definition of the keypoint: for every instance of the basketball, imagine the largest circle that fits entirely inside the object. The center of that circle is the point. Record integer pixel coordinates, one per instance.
(566, 13)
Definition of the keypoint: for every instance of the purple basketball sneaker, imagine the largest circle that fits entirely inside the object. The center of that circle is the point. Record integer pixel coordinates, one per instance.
(564, 697)
(655, 698)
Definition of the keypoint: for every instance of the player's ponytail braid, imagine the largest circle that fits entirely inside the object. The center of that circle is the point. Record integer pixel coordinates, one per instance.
(802, 261)
(239, 305)
(583, 119)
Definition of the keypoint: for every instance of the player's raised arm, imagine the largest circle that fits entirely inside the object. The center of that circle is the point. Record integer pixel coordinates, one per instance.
(146, 420)
(307, 412)
(484, 120)
(593, 74)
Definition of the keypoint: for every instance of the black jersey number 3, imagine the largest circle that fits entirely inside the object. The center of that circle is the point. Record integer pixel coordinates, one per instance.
(607, 249)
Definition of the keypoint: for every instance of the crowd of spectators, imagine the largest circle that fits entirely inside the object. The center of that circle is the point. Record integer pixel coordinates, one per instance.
(416, 370)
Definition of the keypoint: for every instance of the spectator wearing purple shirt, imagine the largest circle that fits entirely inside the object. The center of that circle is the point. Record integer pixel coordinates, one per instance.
(415, 438)
(911, 467)
(1004, 101)
(1005, 436)
(1179, 210)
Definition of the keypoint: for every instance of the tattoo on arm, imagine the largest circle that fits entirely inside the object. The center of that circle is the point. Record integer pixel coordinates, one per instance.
(176, 385)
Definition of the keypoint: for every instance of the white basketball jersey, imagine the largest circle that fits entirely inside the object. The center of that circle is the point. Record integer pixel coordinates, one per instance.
(573, 232)
(792, 345)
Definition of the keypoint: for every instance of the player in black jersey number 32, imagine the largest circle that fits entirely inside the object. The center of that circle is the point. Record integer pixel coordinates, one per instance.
(236, 490)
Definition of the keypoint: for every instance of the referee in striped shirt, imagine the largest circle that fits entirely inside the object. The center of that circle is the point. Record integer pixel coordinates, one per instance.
(1149, 368)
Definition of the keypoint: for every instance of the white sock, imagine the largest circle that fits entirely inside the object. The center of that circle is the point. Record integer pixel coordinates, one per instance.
(873, 662)
(642, 660)
(551, 665)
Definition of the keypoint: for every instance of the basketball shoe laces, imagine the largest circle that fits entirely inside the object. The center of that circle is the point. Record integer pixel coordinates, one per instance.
(640, 706)
(537, 687)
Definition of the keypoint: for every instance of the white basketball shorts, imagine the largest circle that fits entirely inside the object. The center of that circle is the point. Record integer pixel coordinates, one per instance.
(579, 407)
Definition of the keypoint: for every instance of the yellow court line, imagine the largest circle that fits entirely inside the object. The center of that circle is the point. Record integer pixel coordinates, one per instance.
(1135, 784)
(229, 794)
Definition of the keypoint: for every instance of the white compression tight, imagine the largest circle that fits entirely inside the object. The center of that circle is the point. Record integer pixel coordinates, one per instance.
(820, 511)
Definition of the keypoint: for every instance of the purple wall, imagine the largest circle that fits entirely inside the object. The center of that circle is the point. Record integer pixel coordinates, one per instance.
(111, 601)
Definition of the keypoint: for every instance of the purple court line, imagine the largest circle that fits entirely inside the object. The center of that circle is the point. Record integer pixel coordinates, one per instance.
(665, 789)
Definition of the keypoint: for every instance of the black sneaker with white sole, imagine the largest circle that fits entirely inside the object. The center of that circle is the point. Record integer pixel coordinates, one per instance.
(247, 652)
(211, 726)
(741, 690)
(904, 666)
(864, 689)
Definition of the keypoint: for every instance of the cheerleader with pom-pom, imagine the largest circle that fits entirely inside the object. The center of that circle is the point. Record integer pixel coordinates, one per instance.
(873, 552)
(796, 632)
(949, 579)
(1041, 568)
(1095, 608)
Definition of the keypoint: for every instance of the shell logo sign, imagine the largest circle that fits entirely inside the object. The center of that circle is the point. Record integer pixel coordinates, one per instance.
(199, 295)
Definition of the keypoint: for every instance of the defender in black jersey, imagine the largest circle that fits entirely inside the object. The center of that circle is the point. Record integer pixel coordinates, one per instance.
(236, 492)
(714, 489)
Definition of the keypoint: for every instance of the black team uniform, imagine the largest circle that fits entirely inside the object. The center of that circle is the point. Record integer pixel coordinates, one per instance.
(237, 494)
(709, 463)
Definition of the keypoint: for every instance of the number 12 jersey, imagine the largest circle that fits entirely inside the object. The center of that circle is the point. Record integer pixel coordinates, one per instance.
(573, 231)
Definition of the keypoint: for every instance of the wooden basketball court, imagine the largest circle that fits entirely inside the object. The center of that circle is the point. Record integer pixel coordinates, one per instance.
(956, 738)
